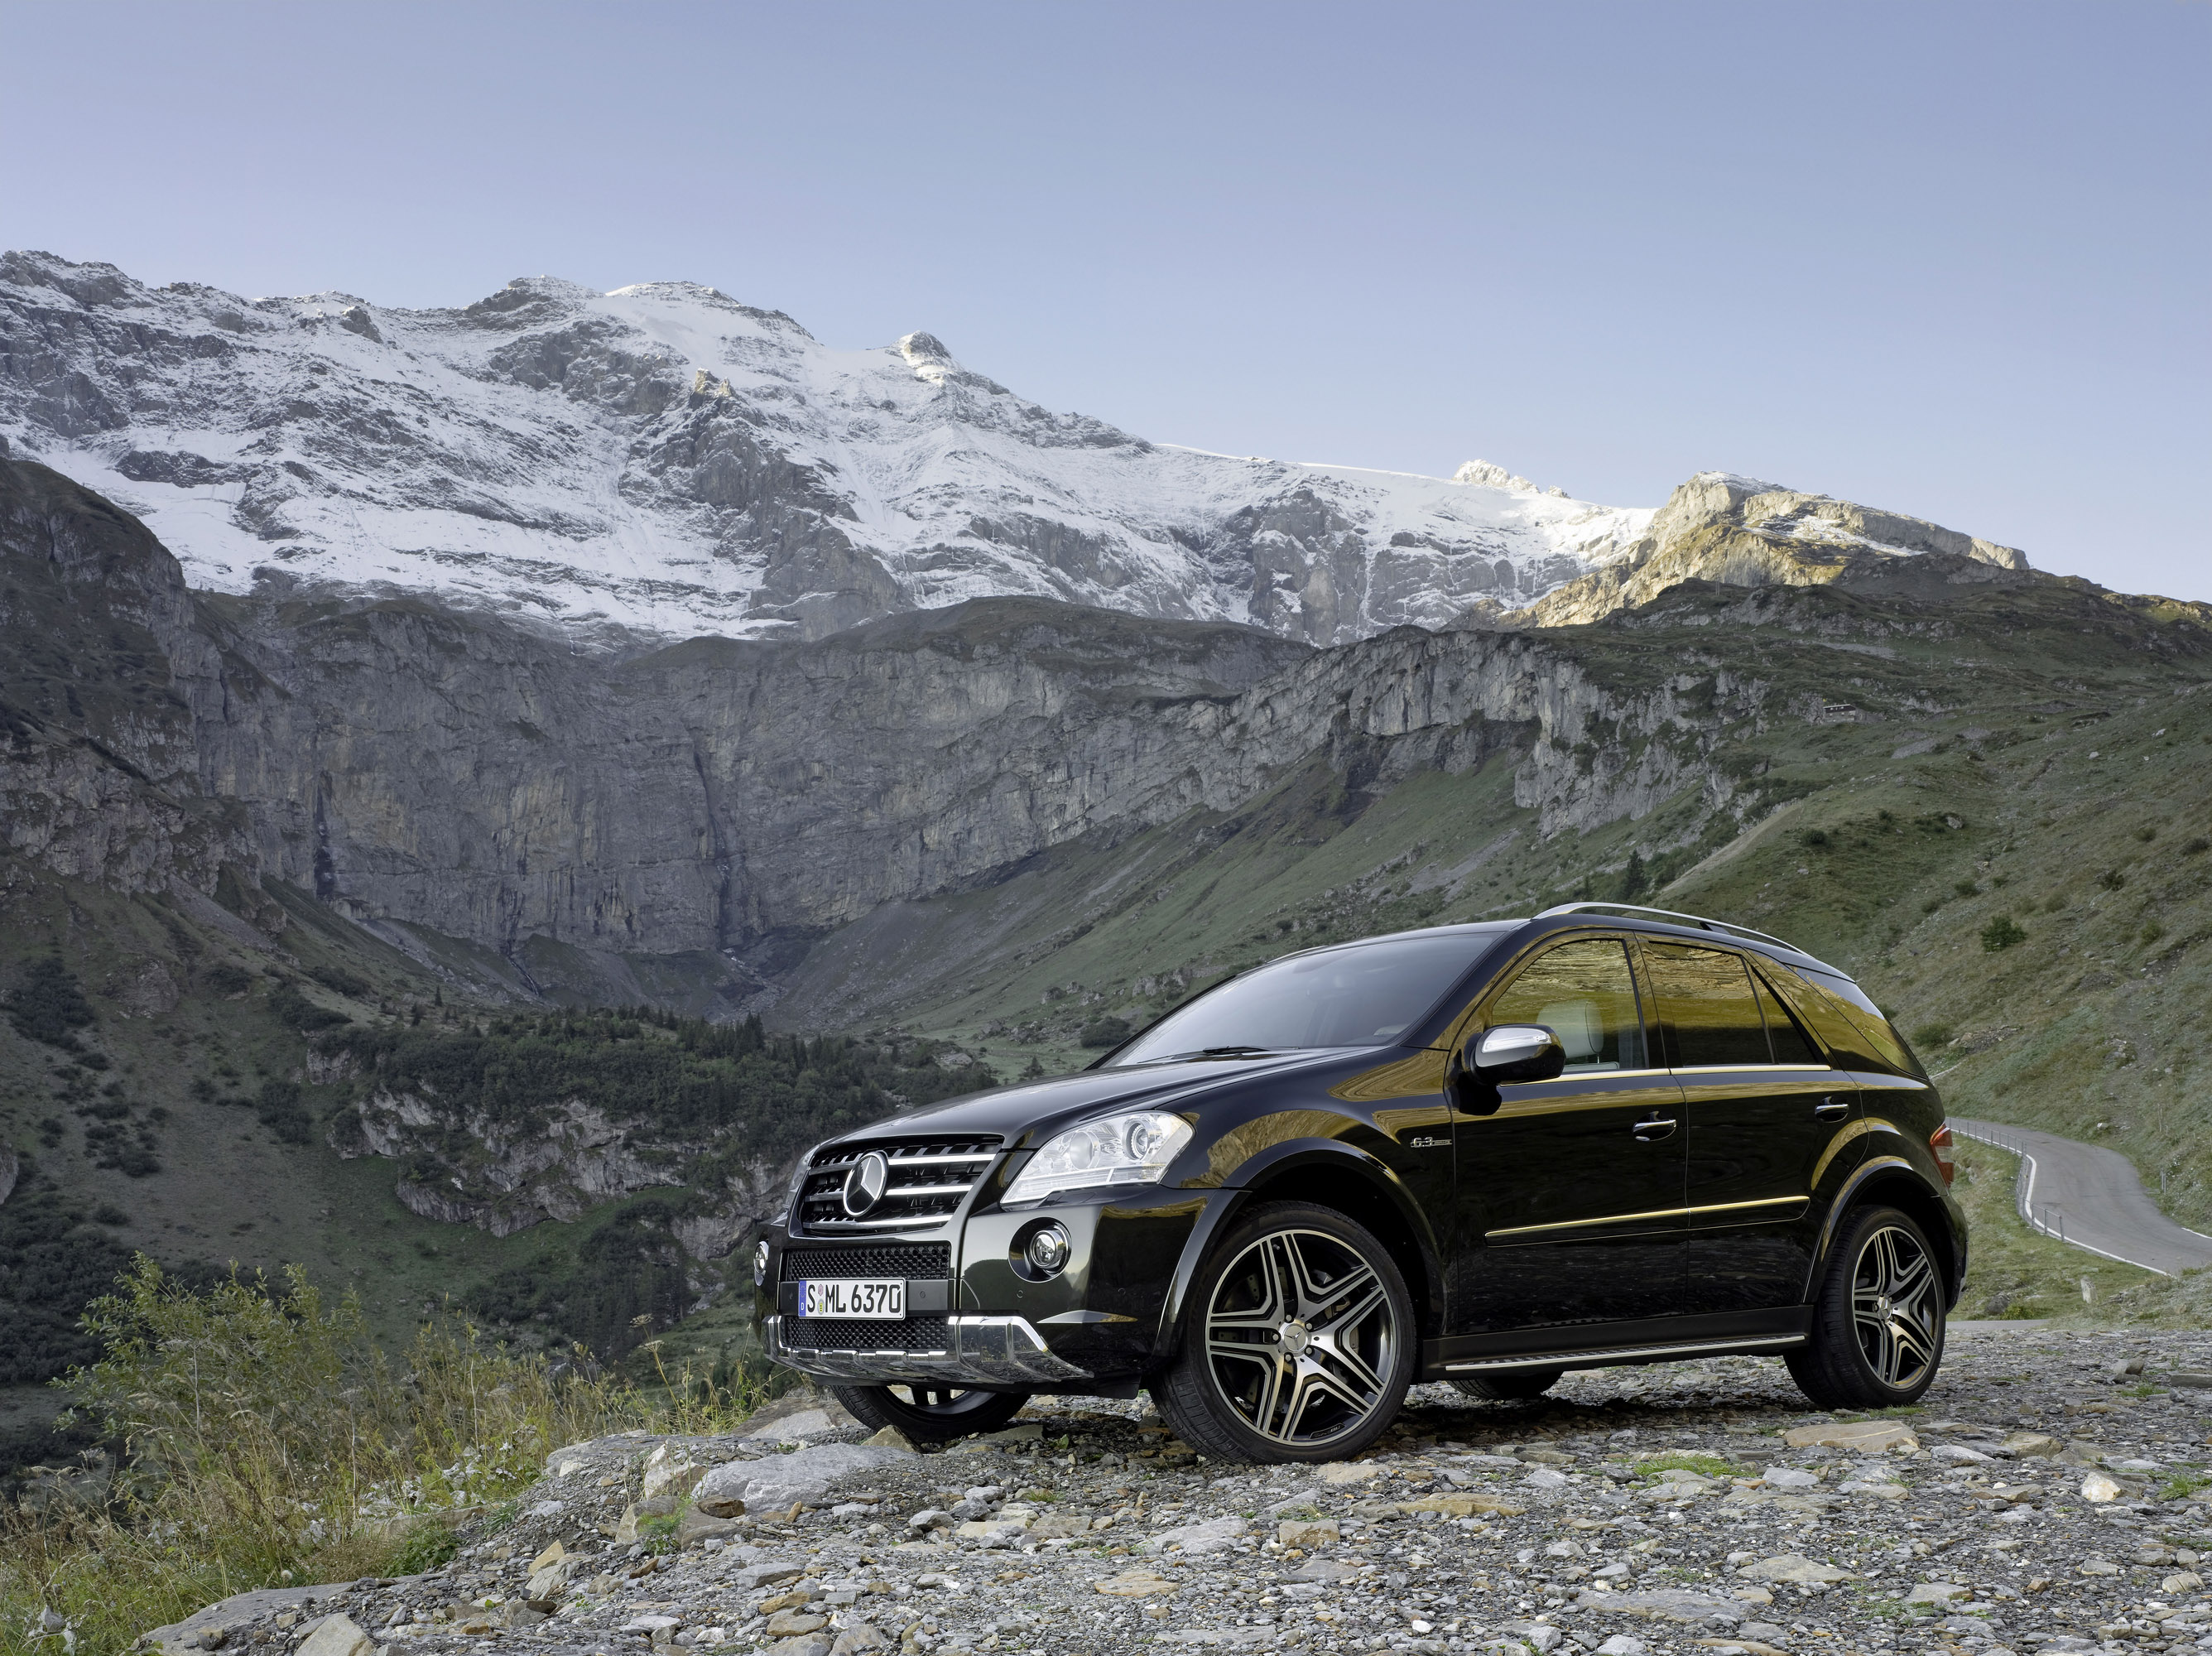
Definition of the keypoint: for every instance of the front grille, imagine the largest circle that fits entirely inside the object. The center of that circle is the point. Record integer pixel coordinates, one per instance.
(929, 1178)
(923, 1259)
(912, 1334)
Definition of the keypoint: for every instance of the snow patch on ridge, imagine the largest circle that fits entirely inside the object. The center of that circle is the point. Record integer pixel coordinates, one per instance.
(664, 459)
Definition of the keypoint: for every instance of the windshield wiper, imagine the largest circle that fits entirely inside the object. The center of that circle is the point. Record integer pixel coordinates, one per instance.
(1204, 1052)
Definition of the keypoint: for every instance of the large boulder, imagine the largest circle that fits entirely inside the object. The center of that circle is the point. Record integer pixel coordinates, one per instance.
(774, 1480)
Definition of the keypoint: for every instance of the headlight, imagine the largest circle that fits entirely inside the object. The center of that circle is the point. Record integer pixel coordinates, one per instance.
(797, 1183)
(1132, 1149)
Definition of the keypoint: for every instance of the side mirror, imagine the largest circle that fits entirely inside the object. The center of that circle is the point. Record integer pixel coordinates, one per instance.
(1515, 1052)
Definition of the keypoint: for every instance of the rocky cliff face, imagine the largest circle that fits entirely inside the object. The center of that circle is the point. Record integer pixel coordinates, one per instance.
(103, 662)
(677, 824)
(664, 460)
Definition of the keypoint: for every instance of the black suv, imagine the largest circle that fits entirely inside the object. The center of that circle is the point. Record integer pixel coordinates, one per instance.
(1483, 1154)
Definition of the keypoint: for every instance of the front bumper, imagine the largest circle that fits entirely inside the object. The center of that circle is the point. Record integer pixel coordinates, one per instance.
(980, 1350)
(1097, 1325)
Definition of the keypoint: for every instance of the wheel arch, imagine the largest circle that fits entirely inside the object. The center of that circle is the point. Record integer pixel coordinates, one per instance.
(1894, 1181)
(1334, 1176)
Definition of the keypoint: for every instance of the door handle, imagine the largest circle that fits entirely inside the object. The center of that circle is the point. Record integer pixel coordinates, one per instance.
(1651, 1132)
(1831, 1109)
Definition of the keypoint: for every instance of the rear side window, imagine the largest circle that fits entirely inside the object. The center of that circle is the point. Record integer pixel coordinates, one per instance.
(1788, 1041)
(1889, 1050)
(1707, 1002)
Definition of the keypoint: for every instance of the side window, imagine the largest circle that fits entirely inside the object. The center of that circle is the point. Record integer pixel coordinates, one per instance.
(1705, 998)
(1585, 993)
(1890, 1051)
(1788, 1041)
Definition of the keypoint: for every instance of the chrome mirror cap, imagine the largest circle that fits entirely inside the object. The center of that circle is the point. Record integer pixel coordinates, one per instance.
(1517, 1052)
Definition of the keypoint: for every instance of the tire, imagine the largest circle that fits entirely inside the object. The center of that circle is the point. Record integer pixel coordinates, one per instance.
(1878, 1317)
(1297, 1293)
(1513, 1385)
(929, 1413)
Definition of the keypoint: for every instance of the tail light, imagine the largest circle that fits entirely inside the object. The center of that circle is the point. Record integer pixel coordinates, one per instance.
(1940, 1143)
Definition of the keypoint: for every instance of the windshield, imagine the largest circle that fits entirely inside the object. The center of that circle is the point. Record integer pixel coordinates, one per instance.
(1368, 996)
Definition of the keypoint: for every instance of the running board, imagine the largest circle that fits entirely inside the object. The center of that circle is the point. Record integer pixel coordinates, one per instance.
(1606, 1357)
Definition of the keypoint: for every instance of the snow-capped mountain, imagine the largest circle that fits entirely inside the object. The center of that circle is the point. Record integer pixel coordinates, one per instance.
(665, 460)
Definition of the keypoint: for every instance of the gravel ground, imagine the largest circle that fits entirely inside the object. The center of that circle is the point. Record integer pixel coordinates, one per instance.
(2040, 1500)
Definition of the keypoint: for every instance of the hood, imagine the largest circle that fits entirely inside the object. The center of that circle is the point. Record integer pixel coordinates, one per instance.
(1028, 1111)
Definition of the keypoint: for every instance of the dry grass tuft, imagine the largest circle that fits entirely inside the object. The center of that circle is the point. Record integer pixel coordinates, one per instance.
(258, 1438)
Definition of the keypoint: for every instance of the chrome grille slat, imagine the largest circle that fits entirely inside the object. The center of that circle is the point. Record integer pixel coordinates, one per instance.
(928, 1196)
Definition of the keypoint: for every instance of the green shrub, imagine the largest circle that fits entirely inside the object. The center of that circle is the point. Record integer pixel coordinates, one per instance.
(1967, 888)
(336, 979)
(2146, 833)
(2197, 846)
(429, 1545)
(2001, 934)
(1104, 1031)
(2111, 879)
(2055, 904)
(295, 1011)
(2152, 931)
(51, 1263)
(1932, 1035)
(224, 978)
(280, 1110)
(47, 1005)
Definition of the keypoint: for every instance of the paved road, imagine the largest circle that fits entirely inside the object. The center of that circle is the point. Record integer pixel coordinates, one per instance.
(2089, 1196)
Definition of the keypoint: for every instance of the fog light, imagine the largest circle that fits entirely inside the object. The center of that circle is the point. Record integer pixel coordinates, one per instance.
(760, 1264)
(1046, 1251)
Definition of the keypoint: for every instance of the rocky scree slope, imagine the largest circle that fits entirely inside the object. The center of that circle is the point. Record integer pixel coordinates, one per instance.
(2044, 1499)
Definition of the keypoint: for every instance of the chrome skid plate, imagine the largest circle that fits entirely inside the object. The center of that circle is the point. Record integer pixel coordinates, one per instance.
(978, 1348)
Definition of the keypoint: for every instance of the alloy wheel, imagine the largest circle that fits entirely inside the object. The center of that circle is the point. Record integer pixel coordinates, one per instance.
(1895, 1307)
(1299, 1335)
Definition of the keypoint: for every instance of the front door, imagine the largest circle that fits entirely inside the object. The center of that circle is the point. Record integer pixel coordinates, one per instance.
(1570, 1192)
(1767, 1117)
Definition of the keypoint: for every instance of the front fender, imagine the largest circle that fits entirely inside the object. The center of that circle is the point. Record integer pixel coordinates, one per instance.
(1336, 1175)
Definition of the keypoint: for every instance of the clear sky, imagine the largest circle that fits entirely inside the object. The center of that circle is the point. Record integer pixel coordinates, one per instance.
(1950, 260)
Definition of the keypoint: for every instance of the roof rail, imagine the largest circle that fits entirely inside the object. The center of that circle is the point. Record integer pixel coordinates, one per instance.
(1697, 920)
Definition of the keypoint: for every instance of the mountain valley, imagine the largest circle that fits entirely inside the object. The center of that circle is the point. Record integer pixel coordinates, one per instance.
(464, 950)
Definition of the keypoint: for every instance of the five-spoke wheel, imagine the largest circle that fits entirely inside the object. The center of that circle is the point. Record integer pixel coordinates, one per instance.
(1297, 1340)
(1896, 1310)
(1877, 1336)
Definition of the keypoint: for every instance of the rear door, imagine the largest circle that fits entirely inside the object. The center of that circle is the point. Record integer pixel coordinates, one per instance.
(1767, 1118)
(1570, 1192)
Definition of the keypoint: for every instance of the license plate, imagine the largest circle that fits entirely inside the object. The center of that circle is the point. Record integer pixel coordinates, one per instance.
(875, 1299)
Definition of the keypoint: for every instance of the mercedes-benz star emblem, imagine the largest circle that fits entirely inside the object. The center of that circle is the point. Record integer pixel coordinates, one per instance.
(864, 1183)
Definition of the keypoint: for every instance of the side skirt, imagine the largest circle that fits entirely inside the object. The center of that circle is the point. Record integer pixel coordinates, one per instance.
(1609, 1345)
